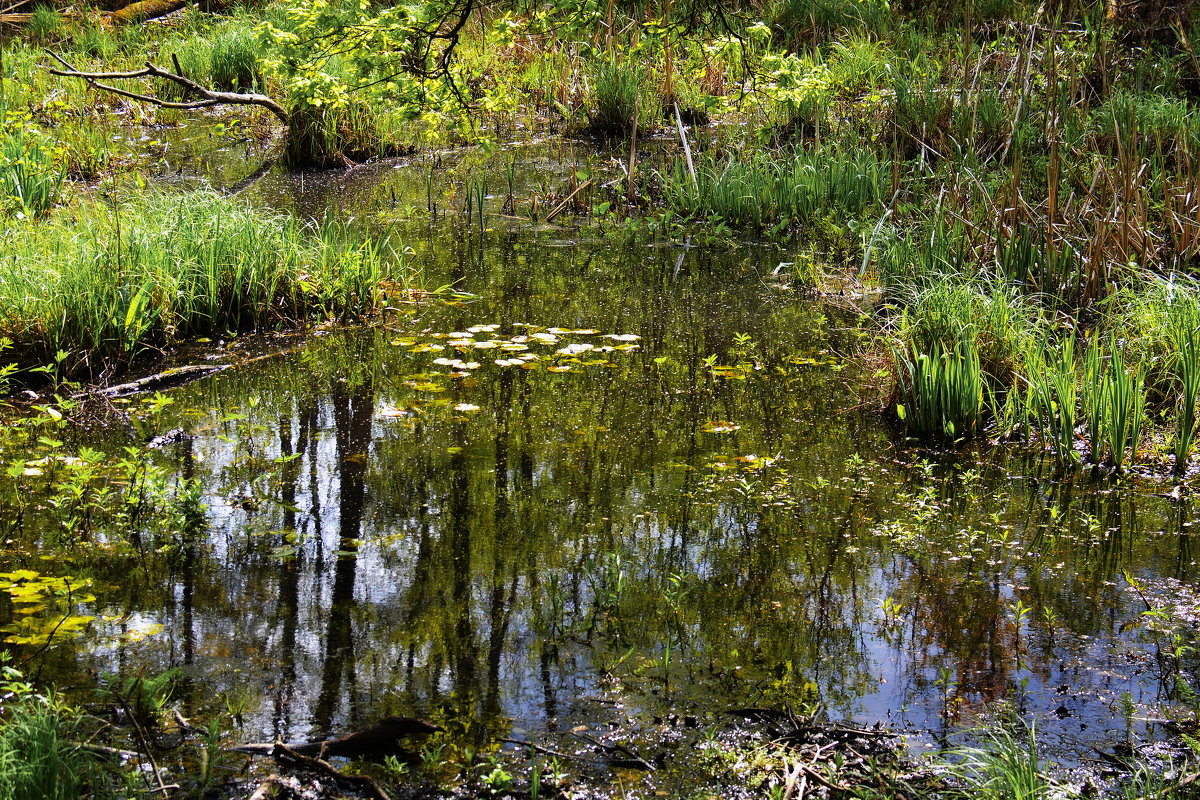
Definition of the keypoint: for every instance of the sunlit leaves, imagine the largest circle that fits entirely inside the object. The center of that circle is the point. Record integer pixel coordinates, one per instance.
(33, 593)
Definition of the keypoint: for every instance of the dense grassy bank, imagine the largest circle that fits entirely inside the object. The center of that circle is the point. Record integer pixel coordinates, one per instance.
(102, 283)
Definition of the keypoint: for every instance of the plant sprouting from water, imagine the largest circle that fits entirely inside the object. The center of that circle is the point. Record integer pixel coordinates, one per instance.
(941, 391)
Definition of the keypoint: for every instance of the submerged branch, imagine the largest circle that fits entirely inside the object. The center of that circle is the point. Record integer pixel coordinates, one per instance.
(209, 97)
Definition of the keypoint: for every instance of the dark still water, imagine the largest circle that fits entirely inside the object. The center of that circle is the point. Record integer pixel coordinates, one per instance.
(631, 484)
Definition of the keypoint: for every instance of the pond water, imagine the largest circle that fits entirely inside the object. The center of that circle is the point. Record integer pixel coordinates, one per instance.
(665, 501)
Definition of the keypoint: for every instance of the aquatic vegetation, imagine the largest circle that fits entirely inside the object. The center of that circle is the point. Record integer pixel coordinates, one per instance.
(234, 57)
(762, 191)
(1114, 403)
(30, 180)
(815, 17)
(162, 267)
(38, 757)
(1006, 766)
(46, 24)
(941, 390)
(1053, 387)
(622, 98)
(41, 750)
(1124, 408)
(573, 506)
(1187, 370)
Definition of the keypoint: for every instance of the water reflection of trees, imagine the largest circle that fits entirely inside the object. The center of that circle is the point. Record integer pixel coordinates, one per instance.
(446, 562)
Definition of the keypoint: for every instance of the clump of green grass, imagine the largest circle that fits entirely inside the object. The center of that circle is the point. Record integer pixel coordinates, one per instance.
(30, 180)
(766, 190)
(821, 17)
(45, 24)
(1187, 371)
(94, 42)
(1001, 323)
(1114, 403)
(859, 63)
(941, 390)
(325, 136)
(921, 111)
(621, 98)
(1005, 766)
(1053, 388)
(233, 58)
(105, 283)
(86, 152)
(195, 61)
(40, 756)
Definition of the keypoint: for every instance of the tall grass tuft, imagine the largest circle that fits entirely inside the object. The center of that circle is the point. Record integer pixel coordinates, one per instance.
(1004, 767)
(1118, 407)
(30, 179)
(1093, 398)
(620, 97)
(39, 757)
(108, 282)
(941, 390)
(195, 61)
(326, 136)
(233, 58)
(1187, 371)
(1053, 391)
(45, 24)
(820, 17)
(765, 190)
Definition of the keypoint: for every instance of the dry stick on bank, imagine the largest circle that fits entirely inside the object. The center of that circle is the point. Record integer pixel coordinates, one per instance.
(365, 783)
(208, 97)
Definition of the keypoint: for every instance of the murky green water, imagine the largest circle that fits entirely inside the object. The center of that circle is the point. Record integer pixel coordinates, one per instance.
(609, 530)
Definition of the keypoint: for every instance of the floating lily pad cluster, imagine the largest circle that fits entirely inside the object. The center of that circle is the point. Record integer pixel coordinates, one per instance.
(522, 346)
(531, 348)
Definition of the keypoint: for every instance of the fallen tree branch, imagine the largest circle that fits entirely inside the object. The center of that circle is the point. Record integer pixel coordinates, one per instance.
(364, 782)
(208, 96)
(167, 379)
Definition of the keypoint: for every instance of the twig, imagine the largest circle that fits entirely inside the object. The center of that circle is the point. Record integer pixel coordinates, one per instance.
(106, 750)
(364, 782)
(163, 788)
(264, 789)
(687, 150)
(794, 782)
(561, 206)
(820, 779)
(618, 749)
(543, 750)
(183, 724)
